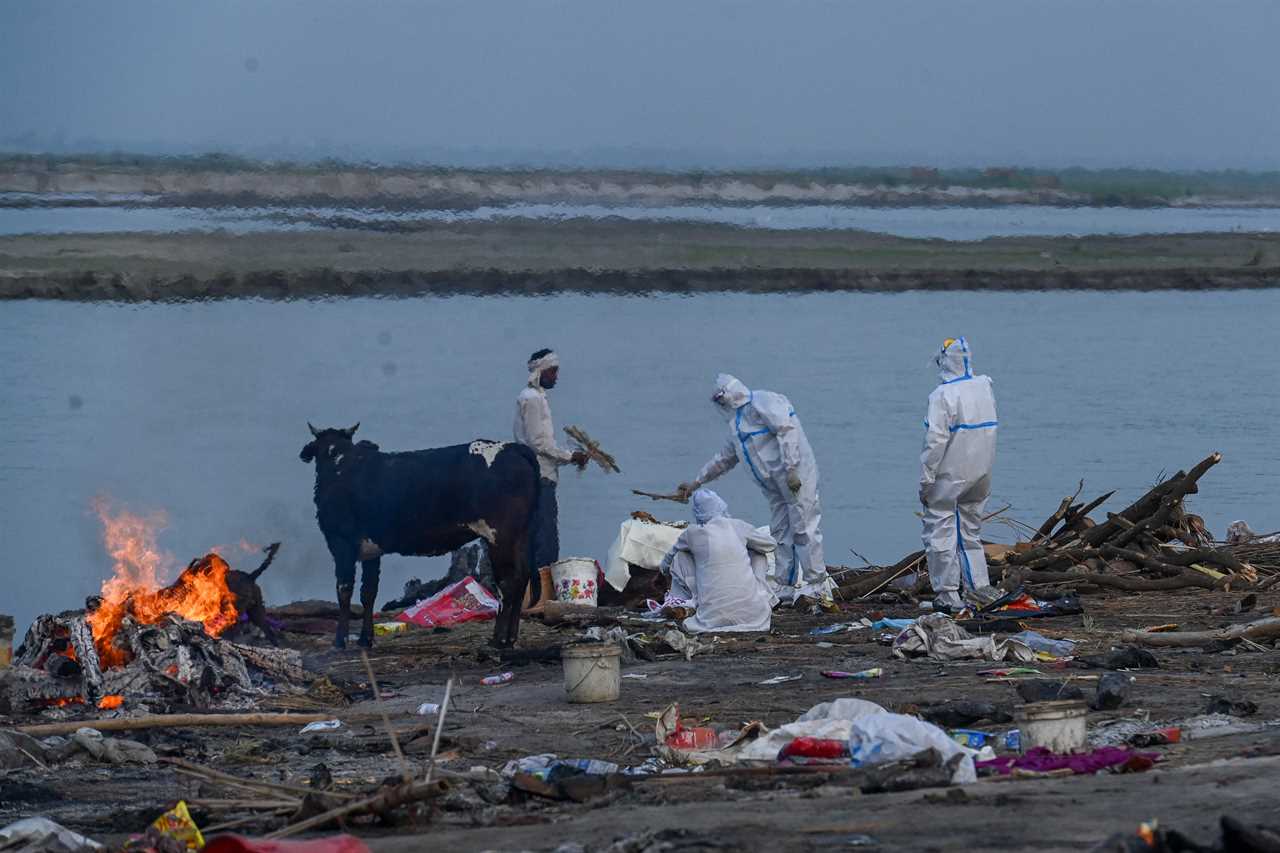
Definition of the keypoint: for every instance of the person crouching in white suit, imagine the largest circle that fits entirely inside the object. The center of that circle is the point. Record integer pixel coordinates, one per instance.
(718, 567)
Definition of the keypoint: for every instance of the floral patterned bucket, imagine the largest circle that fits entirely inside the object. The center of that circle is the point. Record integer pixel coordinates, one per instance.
(575, 581)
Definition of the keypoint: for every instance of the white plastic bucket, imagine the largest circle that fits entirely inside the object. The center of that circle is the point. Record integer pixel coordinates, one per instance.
(1057, 726)
(592, 672)
(574, 581)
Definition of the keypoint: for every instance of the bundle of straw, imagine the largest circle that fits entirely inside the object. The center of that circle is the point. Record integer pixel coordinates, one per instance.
(589, 446)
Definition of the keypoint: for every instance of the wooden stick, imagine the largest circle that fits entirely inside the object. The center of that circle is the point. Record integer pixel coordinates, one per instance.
(435, 742)
(1262, 629)
(381, 802)
(386, 721)
(657, 497)
(171, 721)
(212, 775)
(894, 576)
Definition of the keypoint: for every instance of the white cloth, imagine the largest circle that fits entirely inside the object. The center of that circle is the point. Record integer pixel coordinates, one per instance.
(710, 566)
(537, 365)
(766, 434)
(955, 472)
(533, 427)
(639, 543)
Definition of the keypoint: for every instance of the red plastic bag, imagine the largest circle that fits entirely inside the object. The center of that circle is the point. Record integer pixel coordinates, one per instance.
(240, 844)
(699, 737)
(814, 747)
(464, 601)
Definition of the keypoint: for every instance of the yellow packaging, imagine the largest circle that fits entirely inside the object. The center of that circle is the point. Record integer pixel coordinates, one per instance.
(178, 825)
(382, 629)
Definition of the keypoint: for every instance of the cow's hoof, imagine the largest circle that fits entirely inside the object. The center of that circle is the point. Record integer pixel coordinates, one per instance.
(340, 641)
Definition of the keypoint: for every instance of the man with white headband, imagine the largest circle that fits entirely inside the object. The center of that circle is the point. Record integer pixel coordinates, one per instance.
(534, 428)
(766, 435)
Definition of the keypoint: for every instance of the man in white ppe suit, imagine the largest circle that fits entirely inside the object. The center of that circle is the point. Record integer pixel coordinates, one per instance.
(534, 428)
(955, 475)
(766, 435)
(718, 566)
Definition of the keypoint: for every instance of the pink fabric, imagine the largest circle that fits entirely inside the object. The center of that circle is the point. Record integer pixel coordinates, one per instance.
(1041, 760)
(241, 844)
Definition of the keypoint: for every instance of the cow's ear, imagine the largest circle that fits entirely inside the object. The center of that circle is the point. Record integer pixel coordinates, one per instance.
(315, 433)
(352, 431)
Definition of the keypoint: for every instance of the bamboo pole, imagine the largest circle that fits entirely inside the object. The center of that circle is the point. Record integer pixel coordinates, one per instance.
(171, 721)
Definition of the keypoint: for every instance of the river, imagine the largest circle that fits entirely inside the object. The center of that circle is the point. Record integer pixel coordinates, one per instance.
(200, 409)
(946, 223)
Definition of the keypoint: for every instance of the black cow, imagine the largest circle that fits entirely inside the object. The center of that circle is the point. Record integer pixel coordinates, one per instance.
(424, 503)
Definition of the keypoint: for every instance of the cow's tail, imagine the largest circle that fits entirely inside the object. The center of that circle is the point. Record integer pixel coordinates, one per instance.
(270, 551)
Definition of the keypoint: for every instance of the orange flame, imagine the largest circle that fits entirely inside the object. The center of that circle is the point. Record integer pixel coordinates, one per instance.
(200, 593)
(107, 703)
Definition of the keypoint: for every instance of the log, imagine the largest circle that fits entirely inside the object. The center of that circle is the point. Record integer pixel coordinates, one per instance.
(866, 582)
(1181, 581)
(561, 613)
(171, 721)
(1178, 487)
(281, 664)
(1262, 629)
(390, 798)
(81, 636)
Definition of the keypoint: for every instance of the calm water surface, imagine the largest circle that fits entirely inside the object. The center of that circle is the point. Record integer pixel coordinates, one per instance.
(947, 223)
(201, 409)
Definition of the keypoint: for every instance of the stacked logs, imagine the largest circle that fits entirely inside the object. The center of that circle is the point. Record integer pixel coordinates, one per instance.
(1132, 550)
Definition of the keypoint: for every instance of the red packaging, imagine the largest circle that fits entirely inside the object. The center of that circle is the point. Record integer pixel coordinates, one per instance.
(459, 602)
(700, 737)
(813, 747)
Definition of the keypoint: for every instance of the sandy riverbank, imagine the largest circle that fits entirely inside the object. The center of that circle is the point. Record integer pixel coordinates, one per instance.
(610, 257)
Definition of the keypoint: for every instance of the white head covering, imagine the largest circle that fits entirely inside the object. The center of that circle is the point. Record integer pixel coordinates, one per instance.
(730, 394)
(708, 505)
(954, 361)
(537, 365)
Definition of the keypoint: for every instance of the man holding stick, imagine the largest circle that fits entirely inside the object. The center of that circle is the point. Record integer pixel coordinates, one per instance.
(534, 428)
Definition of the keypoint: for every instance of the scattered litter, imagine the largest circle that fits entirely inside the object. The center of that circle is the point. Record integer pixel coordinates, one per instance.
(1039, 760)
(1159, 737)
(384, 629)
(500, 678)
(428, 709)
(1047, 690)
(1113, 691)
(1011, 672)
(1040, 643)
(892, 624)
(880, 737)
(1127, 657)
(41, 835)
(938, 637)
(682, 643)
(240, 844)
(635, 675)
(959, 713)
(865, 674)
(321, 726)
(1239, 708)
(176, 826)
(463, 601)
(781, 679)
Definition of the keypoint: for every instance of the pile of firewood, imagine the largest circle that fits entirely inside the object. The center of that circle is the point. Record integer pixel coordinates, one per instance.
(1154, 544)
(173, 663)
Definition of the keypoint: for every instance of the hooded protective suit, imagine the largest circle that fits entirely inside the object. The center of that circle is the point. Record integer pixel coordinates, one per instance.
(712, 567)
(766, 435)
(955, 472)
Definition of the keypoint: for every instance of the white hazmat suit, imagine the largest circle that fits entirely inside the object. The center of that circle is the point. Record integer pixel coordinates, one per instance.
(955, 473)
(718, 565)
(766, 435)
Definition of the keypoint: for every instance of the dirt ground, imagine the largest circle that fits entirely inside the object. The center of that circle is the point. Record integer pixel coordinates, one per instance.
(609, 256)
(1197, 781)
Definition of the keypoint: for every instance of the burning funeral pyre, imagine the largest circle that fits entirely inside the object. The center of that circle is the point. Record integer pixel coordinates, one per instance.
(147, 643)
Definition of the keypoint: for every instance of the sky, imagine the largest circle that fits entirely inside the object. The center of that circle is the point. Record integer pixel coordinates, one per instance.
(1147, 83)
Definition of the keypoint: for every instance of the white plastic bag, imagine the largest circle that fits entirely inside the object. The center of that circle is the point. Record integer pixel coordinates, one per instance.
(877, 738)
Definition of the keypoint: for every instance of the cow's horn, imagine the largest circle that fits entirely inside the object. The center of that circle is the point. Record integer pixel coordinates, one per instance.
(352, 431)
(315, 433)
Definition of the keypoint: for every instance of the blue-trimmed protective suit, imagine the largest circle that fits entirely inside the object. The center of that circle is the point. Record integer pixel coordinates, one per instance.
(766, 436)
(955, 473)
